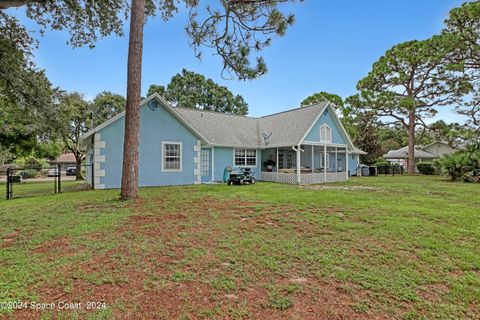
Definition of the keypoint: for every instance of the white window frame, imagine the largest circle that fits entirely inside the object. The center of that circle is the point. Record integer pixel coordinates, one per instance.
(163, 156)
(245, 157)
(328, 137)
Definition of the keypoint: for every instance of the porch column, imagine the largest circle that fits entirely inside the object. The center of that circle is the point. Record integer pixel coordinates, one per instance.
(336, 159)
(299, 178)
(213, 164)
(325, 162)
(313, 161)
(346, 162)
(278, 166)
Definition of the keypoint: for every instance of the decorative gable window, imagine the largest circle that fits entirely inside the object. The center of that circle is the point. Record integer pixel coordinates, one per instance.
(325, 134)
(171, 156)
(245, 157)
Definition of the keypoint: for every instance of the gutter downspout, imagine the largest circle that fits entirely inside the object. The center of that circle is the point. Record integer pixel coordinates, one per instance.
(92, 161)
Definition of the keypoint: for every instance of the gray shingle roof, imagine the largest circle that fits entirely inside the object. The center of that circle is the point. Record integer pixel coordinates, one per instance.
(286, 128)
(402, 153)
(223, 129)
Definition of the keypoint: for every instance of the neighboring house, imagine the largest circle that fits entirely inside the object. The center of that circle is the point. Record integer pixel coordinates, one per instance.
(65, 160)
(422, 153)
(180, 146)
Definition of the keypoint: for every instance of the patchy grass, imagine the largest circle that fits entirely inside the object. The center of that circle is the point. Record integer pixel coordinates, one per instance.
(384, 247)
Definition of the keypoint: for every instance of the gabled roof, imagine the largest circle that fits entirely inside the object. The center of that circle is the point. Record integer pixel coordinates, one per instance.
(290, 127)
(402, 153)
(286, 128)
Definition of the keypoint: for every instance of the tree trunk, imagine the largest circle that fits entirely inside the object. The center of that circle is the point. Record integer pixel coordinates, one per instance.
(78, 162)
(411, 143)
(132, 112)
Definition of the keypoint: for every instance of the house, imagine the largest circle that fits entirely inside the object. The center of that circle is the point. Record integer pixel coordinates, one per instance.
(422, 153)
(179, 146)
(65, 160)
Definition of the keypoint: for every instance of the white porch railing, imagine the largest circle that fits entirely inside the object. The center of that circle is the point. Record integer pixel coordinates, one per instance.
(306, 178)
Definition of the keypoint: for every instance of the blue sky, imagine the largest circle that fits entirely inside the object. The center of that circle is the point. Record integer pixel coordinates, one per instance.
(332, 45)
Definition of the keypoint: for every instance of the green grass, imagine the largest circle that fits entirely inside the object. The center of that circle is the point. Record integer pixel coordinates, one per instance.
(396, 247)
(29, 188)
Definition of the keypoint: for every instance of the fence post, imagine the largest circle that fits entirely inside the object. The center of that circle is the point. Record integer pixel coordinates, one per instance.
(8, 184)
(92, 166)
(59, 187)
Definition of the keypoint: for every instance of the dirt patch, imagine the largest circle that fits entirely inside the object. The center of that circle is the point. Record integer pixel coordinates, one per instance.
(9, 239)
(167, 263)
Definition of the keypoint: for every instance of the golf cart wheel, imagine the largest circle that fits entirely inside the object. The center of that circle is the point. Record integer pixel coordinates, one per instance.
(229, 183)
(252, 181)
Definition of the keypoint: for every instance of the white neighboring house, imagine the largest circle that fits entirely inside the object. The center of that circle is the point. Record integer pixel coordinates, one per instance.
(422, 153)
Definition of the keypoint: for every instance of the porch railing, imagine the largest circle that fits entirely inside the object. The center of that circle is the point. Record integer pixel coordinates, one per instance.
(306, 178)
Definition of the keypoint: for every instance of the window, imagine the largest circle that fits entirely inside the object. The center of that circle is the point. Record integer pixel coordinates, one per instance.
(205, 163)
(285, 159)
(172, 156)
(325, 134)
(245, 157)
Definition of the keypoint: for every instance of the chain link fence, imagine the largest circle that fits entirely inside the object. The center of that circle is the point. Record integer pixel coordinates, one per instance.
(34, 181)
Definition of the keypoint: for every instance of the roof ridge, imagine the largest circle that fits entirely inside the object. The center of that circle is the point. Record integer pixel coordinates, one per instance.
(295, 109)
(216, 112)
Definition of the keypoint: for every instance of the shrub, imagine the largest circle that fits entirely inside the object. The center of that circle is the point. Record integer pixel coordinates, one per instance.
(426, 168)
(463, 165)
(29, 173)
(31, 162)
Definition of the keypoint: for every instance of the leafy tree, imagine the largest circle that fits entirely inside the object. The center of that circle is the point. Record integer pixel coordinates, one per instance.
(464, 24)
(72, 122)
(232, 29)
(362, 128)
(25, 92)
(193, 90)
(323, 96)
(106, 105)
(454, 134)
(410, 81)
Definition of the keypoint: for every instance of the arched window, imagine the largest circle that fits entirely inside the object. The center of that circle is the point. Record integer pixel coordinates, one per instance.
(325, 134)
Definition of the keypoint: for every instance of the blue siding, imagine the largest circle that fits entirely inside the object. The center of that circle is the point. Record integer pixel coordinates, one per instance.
(352, 163)
(156, 126)
(326, 118)
(224, 157)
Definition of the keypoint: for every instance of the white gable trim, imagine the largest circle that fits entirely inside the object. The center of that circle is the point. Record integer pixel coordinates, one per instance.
(336, 120)
(313, 124)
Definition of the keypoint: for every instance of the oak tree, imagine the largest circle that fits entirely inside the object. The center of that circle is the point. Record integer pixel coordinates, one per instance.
(193, 90)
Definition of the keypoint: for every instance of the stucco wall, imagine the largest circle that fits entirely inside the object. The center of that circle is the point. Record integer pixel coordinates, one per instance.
(224, 157)
(326, 118)
(156, 126)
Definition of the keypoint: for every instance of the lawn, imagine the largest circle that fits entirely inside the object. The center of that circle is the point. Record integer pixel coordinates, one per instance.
(380, 247)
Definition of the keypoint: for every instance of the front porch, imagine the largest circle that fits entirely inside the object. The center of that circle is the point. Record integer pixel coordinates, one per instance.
(306, 164)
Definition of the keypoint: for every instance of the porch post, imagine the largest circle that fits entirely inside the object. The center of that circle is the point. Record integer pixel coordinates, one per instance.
(336, 159)
(299, 178)
(278, 166)
(325, 162)
(213, 164)
(313, 161)
(346, 162)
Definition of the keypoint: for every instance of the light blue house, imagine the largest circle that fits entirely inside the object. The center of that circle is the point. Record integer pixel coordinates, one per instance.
(179, 146)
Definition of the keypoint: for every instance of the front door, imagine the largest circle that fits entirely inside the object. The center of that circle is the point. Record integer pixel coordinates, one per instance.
(206, 164)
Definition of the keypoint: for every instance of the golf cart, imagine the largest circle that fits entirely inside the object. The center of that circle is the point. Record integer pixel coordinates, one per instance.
(239, 175)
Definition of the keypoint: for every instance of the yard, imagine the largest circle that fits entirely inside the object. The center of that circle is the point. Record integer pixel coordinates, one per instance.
(385, 247)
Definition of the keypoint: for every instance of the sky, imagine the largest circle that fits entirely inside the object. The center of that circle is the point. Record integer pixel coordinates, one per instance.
(332, 45)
